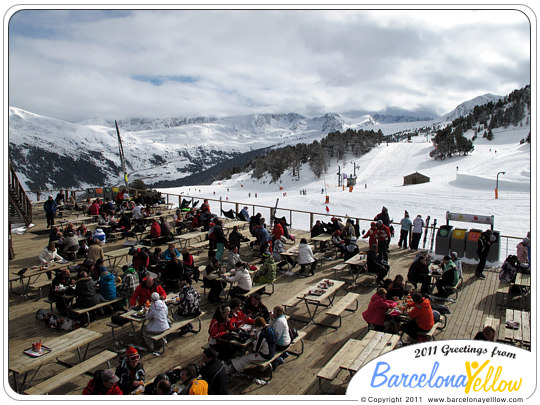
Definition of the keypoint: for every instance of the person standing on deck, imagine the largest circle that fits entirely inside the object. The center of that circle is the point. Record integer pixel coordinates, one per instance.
(50, 208)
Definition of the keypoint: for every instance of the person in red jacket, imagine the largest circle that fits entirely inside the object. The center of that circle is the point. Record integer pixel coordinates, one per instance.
(155, 229)
(238, 317)
(105, 382)
(376, 311)
(220, 325)
(144, 291)
(277, 231)
(421, 316)
(94, 208)
(372, 234)
(383, 238)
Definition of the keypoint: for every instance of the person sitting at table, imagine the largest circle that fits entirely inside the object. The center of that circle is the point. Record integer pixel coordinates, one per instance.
(95, 251)
(70, 245)
(62, 291)
(106, 285)
(130, 281)
(157, 320)
(267, 272)
(172, 274)
(277, 249)
(85, 291)
(278, 321)
(238, 316)
(82, 230)
(375, 313)
(69, 228)
(221, 325)
(99, 235)
(212, 280)
(523, 253)
(305, 257)
(166, 229)
(488, 334)
(350, 250)
(264, 347)
(375, 265)
(419, 273)
(108, 207)
(170, 252)
(49, 255)
(214, 372)
(192, 384)
(131, 372)
(338, 242)
(242, 278)
(233, 257)
(103, 383)
(189, 301)
(144, 291)
(155, 230)
(449, 277)
(254, 307)
(421, 316)
(94, 208)
(348, 232)
(190, 269)
(55, 234)
(397, 291)
(243, 215)
(459, 266)
(236, 237)
(141, 259)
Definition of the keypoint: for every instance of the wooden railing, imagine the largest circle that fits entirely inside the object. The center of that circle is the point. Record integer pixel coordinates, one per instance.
(18, 197)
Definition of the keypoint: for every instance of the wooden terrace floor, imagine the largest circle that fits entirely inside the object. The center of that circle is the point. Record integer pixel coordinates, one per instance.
(476, 301)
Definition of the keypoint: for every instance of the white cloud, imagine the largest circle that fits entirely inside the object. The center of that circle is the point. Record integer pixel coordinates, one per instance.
(78, 65)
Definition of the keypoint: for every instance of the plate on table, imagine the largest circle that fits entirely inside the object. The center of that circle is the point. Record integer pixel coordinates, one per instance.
(32, 353)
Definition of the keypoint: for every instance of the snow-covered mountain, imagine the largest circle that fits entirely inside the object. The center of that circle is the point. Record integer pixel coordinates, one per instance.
(467, 107)
(51, 154)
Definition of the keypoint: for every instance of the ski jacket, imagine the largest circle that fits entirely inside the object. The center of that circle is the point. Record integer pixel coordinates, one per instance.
(376, 310)
(418, 224)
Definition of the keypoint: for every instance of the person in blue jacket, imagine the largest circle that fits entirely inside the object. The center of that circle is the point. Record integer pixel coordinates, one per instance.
(50, 208)
(107, 287)
(406, 225)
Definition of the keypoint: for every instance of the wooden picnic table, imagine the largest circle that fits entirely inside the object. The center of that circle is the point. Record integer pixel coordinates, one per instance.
(32, 274)
(322, 238)
(185, 239)
(114, 256)
(311, 299)
(356, 353)
(22, 364)
(520, 333)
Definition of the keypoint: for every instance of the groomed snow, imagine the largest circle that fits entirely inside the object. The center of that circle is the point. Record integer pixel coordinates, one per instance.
(461, 184)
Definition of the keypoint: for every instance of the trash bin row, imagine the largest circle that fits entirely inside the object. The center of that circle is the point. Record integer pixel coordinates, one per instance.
(464, 242)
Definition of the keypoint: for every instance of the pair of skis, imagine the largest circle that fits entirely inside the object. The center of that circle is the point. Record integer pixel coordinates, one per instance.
(432, 236)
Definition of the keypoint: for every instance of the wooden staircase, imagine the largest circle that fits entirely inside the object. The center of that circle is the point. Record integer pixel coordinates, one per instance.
(20, 208)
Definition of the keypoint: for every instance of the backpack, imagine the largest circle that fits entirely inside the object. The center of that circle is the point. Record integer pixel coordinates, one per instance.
(293, 333)
(270, 335)
(198, 387)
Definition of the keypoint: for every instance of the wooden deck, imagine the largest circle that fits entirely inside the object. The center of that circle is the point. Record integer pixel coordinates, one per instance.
(477, 300)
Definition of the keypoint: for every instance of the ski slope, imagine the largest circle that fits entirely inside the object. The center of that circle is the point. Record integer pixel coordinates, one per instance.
(463, 184)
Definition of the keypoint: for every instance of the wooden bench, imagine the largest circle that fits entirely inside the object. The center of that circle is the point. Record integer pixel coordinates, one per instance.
(339, 267)
(174, 328)
(430, 334)
(199, 246)
(341, 306)
(116, 236)
(38, 285)
(82, 311)
(292, 302)
(347, 353)
(266, 364)
(67, 376)
(257, 288)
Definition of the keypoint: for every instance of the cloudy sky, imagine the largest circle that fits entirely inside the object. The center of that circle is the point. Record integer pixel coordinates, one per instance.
(80, 64)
